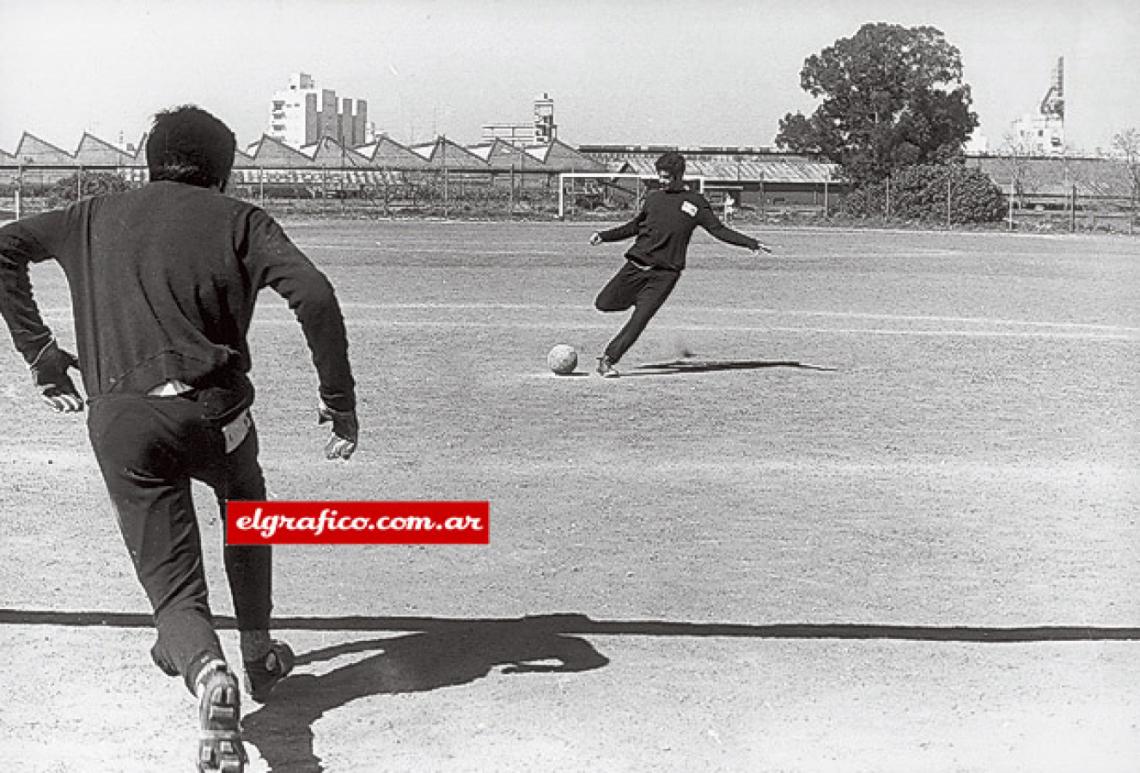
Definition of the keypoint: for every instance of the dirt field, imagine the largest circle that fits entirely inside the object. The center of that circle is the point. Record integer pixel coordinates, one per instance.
(884, 518)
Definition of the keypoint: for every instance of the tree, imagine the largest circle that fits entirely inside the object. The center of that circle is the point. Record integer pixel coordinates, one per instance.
(65, 191)
(932, 193)
(1127, 145)
(892, 97)
(1014, 160)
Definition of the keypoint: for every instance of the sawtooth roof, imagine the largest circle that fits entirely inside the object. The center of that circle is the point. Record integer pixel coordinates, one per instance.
(33, 150)
(95, 151)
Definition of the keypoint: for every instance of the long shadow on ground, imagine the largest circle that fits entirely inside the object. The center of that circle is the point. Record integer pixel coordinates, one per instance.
(463, 652)
(575, 624)
(429, 653)
(688, 366)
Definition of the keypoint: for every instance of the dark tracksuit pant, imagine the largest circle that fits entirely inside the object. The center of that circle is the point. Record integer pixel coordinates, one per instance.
(149, 449)
(645, 289)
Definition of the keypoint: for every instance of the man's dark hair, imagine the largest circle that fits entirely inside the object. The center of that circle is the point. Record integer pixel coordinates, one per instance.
(672, 163)
(189, 145)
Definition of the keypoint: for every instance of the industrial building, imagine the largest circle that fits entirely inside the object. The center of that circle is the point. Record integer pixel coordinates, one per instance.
(752, 176)
(321, 143)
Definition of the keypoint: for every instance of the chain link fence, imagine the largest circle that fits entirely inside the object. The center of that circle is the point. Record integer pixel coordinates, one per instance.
(335, 192)
(381, 193)
(947, 200)
(316, 192)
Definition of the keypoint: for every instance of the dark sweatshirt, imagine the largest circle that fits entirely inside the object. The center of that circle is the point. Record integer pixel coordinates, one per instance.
(665, 225)
(163, 283)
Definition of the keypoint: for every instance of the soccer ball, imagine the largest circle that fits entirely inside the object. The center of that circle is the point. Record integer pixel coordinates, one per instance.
(562, 359)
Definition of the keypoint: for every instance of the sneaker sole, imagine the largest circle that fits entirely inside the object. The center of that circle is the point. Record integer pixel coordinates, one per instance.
(220, 749)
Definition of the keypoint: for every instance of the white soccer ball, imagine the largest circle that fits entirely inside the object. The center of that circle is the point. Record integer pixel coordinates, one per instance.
(562, 359)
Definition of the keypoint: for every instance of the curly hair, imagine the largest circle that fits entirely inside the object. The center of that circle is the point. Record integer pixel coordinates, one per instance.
(189, 145)
(672, 163)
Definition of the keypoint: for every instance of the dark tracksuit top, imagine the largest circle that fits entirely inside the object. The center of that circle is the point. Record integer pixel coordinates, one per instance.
(663, 229)
(163, 284)
(665, 225)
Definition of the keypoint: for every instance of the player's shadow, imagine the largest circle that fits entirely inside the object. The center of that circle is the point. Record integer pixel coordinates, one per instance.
(282, 730)
(689, 366)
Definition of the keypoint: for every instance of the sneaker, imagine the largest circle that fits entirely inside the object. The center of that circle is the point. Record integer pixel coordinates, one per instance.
(220, 749)
(262, 675)
(606, 368)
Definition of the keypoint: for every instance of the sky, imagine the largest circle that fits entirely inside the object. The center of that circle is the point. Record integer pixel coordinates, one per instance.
(661, 72)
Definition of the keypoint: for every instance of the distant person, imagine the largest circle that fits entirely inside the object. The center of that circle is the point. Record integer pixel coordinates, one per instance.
(729, 208)
(163, 282)
(655, 261)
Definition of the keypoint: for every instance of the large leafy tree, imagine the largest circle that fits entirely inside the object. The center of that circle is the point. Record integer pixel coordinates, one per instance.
(892, 97)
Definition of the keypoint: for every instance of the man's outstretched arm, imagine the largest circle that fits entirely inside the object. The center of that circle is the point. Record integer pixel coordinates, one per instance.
(19, 246)
(711, 223)
(626, 231)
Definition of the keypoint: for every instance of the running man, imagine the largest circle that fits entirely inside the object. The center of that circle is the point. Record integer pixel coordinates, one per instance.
(655, 261)
(163, 282)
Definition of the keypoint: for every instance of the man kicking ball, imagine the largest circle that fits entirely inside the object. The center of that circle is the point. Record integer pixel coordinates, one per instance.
(655, 261)
(163, 282)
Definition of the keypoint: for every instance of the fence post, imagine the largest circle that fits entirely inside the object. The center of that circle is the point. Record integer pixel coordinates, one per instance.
(826, 211)
(888, 197)
(1011, 205)
(1132, 211)
(387, 191)
(79, 183)
(19, 190)
(947, 200)
(1073, 211)
(446, 180)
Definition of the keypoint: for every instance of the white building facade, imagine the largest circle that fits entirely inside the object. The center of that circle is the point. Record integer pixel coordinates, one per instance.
(540, 131)
(1043, 134)
(303, 113)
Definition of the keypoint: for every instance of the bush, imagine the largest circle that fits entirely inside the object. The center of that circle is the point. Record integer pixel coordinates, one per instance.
(919, 193)
(63, 192)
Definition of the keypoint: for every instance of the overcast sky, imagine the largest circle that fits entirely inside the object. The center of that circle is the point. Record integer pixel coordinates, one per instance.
(681, 72)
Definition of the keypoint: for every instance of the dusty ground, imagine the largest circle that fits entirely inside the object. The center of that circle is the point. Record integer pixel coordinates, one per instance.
(884, 519)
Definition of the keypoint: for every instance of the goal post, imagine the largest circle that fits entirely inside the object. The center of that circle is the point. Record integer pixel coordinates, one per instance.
(604, 181)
